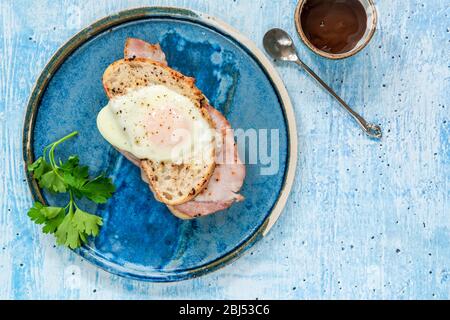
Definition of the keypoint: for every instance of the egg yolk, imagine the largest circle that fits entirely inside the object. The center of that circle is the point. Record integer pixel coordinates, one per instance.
(167, 128)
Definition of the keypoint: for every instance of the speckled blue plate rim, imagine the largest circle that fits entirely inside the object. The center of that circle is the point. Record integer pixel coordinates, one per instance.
(111, 21)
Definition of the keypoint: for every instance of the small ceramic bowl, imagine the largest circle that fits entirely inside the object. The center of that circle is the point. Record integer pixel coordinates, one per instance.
(372, 18)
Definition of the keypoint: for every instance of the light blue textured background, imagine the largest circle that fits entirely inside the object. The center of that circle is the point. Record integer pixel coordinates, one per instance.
(365, 219)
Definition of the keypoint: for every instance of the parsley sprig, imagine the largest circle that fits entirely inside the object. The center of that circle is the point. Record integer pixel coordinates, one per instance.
(71, 225)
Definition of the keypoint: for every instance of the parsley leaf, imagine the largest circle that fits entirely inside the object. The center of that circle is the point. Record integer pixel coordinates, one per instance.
(71, 163)
(52, 224)
(76, 227)
(99, 189)
(70, 225)
(36, 214)
(51, 212)
(87, 223)
(76, 178)
(67, 234)
(39, 167)
(51, 217)
(52, 181)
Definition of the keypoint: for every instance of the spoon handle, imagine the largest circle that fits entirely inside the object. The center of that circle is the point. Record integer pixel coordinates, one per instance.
(372, 130)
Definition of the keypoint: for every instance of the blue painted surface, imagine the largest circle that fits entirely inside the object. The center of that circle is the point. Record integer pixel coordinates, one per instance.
(140, 237)
(365, 219)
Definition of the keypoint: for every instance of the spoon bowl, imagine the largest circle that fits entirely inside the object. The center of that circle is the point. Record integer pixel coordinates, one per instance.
(280, 45)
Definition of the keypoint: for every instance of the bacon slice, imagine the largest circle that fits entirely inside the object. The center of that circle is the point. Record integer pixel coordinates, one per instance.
(135, 48)
(193, 209)
(228, 177)
(130, 157)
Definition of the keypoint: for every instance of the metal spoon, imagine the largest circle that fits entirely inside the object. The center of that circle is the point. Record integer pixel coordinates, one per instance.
(281, 47)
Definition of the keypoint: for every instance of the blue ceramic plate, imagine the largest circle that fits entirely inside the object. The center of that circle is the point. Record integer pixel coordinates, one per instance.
(140, 238)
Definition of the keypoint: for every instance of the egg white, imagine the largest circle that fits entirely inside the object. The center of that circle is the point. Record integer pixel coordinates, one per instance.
(122, 123)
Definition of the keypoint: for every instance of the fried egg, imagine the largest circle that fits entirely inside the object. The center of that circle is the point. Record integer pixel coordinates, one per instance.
(156, 123)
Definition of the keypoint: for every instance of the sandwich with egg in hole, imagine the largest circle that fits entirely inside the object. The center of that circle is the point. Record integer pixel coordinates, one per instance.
(159, 120)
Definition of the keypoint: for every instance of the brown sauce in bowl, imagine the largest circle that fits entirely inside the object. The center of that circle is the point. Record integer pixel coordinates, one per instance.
(334, 26)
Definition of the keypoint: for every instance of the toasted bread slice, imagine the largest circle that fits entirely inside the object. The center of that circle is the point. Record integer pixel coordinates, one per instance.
(171, 184)
(176, 183)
